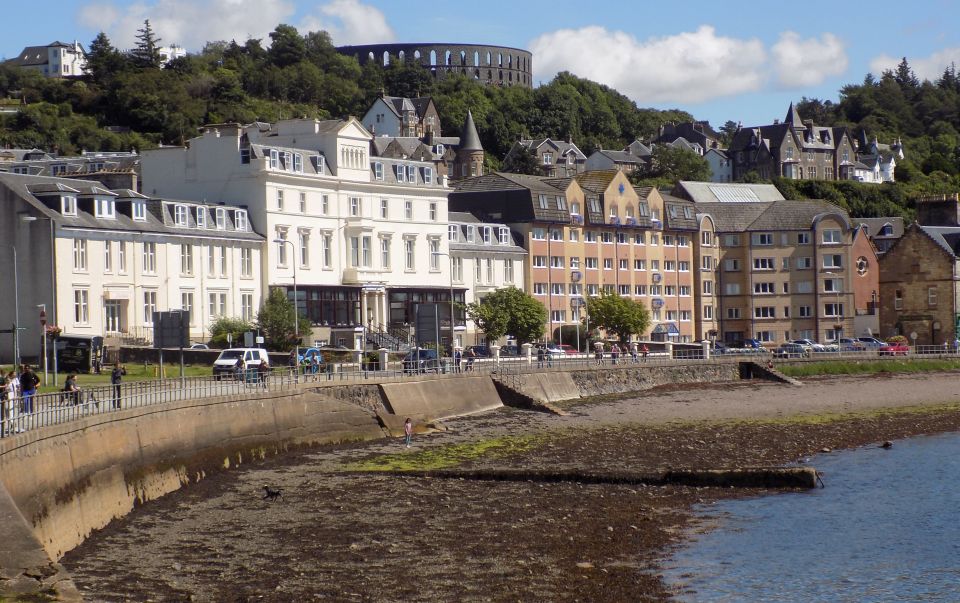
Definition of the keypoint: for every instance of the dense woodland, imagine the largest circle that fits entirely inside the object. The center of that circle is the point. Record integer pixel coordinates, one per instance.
(128, 102)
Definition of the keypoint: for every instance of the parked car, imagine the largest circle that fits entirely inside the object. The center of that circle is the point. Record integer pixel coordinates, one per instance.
(226, 363)
(849, 344)
(791, 350)
(871, 343)
(420, 360)
(509, 351)
(745, 346)
(894, 348)
(199, 346)
(811, 345)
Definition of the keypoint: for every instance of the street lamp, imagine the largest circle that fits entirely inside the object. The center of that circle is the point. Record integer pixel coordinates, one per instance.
(296, 302)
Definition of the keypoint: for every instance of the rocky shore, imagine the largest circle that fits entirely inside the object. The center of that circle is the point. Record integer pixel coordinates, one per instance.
(347, 529)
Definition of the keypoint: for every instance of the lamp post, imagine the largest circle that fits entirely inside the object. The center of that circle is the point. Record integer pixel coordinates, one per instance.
(16, 312)
(296, 303)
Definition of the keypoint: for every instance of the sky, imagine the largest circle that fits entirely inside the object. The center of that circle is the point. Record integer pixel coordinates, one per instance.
(734, 60)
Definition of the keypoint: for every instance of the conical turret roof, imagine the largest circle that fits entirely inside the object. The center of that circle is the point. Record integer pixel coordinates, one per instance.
(469, 139)
(793, 117)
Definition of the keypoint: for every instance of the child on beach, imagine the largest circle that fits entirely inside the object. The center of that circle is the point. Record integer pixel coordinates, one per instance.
(408, 430)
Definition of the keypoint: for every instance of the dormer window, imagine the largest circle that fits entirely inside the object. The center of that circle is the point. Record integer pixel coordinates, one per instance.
(377, 170)
(504, 236)
(274, 159)
(201, 217)
(221, 218)
(471, 234)
(104, 208)
(240, 220)
(561, 203)
(428, 175)
(401, 173)
(245, 155)
(58, 169)
(688, 212)
(139, 210)
(298, 163)
(575, 208)
(180, 215)
(288, 161)
(440, 150)
(412, 174)
(487, 235)
(595, 205)
(68, 205)
(452, 232)
(644, 209)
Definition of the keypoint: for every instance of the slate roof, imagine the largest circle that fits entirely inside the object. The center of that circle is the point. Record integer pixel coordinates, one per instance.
(947, 237)
(706, 192)
(562, 147)
(621, 156)
(596, 181)
(470, 138)
(507, 181)
(675, 205)
(767, 216)
(875, 225)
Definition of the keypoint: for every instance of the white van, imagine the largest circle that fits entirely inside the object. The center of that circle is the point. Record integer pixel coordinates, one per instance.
(226, 362)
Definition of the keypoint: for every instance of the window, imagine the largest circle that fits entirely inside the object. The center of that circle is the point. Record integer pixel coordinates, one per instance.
(733, 313)
(433, 215)
(640, 290)
(321, 162)
(639, 264)
(932, 296)
(456, 266)
(139, 210)
(556, 234)
(538, 234)
(639, 239)
(574, 235)
(764, 288)
(104, 208)
(561, 203)
(898, 300)
(732, 289)
(122, 257)
(708, 312)
(684, 290)
(764, 264)
(832, 285)
(589, 236)
(590, 263)
(594, 204)
(246, 262)
(556, 261)
(412, 174)
(489, 270)
(180, 215)
(401, 173)
(378, 170)
(107, 256)
(149, 306)
(654, 239)
(764, 312)
(623, 264)
(833, 261)
(765, 336)
(542, 201)
(805, 312)
(504, 235)
(471, 234)
(539, 261)
(731, 240)
(683, 266)
(385, 252)
(453, 232)
(575, 208)
(708, 287)
(434, 255)
(246, 306)
(354, 206)
(326, 244)
(201, 217)
(623, 290)
(548, 159)
(79, 254)
(667, 240)
(81, 306)
(507, 271)
(479, 270)
(670, 290)
(303, 203)
(217, 304)
(186, 259)
(803, 238)
(762, 238)
(539, 288)
(221, 217)
(297, 162)
(428, 175)
(304, 237)
(186, 302)
(654, 265)
(608, 263)
(593, 290)
(68, 205)
(833, 309)
(706, 238)
(325, 204)
(384, 209)
(731, 265)
(408, 252)
(279, 200)
(408, 209)
(366, 252)
(606, 237)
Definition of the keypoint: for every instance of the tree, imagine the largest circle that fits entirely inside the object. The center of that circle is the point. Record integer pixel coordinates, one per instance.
(677, 164)
(103, 60)
(147, 52)
(226, 325)
(727, 131)
(276, 320)
(509, 311)
(288, 46)
(619, 315)
(523, 160)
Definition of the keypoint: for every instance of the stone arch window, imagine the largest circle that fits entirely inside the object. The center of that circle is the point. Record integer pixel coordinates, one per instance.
(489, 74)
(386, 58)
(501, 75)
(416, 55)
(476, 58)
(476, 74)
(489, 59)
(509, 61)
(500, 60)
(463, 57)
(401, 56)
(370, 56)
(510, 76)
(447, 58)
(433, 57)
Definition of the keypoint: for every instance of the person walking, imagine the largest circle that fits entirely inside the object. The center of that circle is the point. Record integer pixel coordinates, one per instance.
(28, 387)
(633, 352)
(615, 352)
(471, 358)
(598, 352)
(12, 393)
(116, 378)
(457, 360)
(646, 351)
(540, 355)
(71, 392)
(263, 371)
(408, 431)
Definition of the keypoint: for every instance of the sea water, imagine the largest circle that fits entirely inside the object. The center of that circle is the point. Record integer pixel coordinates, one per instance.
(885, 528)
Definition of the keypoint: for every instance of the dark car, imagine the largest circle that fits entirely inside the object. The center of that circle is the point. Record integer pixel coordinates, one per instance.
(790, 350)
(420, 361)
(509, 351)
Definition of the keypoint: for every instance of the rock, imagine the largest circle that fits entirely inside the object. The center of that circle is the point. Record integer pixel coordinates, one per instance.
(888, 444)
(825, 450)
(585, 565)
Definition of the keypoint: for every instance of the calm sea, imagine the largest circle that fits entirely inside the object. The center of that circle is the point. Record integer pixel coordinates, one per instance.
(885, 528)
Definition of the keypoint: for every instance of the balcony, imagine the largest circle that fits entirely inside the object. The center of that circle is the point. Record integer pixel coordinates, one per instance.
(364, 276)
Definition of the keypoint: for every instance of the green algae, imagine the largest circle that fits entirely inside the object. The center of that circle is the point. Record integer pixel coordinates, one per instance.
(448, 456)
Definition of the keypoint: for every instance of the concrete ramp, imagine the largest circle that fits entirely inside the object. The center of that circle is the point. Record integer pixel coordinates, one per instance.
(441, 398)
(756, 370)
(550, 387)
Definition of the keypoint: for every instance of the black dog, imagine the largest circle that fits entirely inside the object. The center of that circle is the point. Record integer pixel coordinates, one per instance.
(272, 494)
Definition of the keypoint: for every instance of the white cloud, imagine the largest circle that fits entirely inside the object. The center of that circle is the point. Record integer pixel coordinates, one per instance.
(798, 62)
(687, 67)
(192, 23)
(350, 22)
(925, 68)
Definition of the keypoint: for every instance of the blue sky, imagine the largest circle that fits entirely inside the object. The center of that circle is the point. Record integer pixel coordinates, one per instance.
(737, 60)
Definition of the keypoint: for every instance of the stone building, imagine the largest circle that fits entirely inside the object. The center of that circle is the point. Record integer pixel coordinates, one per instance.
(556, 158)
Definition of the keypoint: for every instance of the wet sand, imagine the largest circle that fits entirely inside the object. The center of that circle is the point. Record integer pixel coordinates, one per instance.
(348, 536)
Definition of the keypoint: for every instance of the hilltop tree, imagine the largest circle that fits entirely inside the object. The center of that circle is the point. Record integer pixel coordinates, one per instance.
(146, 54)
(103, 60)
(287, 46)
(523, 160)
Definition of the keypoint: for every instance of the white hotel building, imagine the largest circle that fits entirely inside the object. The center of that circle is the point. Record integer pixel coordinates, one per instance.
(367, 236)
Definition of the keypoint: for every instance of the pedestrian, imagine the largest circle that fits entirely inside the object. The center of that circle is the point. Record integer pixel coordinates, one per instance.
(598, 353)
(540, 355)
(315, 366)
(238, 369)
(116, 378)
(71, 392)
(408, 431)
(615, 353)
(292, 363)
(12, 393)
(4, 413)
(633, 351)
(646, 351)
(28, 387)
(263, 371)
(457, 360)
(471, 358)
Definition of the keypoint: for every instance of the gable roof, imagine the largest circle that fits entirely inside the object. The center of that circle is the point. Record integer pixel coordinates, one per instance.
(769, 215)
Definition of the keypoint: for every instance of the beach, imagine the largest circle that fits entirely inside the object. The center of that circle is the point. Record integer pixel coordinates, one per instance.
(343, 533)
